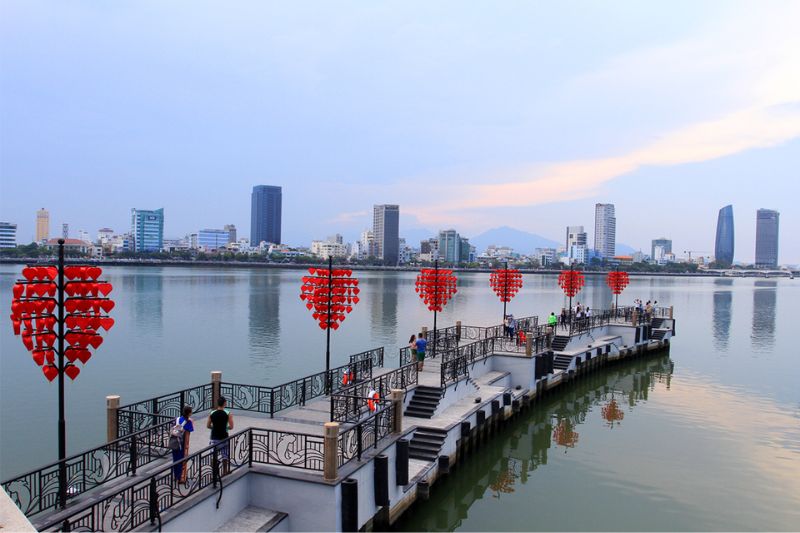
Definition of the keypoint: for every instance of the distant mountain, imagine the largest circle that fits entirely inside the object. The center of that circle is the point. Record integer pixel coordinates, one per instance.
(521, 241)
(624, 249)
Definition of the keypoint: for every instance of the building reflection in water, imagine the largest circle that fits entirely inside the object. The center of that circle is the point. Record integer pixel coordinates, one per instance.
(264, 316)
(723, 299)
(511, 458)
(383, 307)
(145, 287)
(765, 295)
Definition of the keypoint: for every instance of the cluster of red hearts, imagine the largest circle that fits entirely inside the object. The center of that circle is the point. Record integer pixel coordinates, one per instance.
(331, 294)
(571, 282)
(435, 287)
(506, 283)
(617, 281)
(34, 315)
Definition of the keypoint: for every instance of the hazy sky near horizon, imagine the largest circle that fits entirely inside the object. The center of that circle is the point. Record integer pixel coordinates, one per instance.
(469, 115)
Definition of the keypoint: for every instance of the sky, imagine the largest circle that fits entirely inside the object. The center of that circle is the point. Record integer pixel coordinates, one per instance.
(470, 115)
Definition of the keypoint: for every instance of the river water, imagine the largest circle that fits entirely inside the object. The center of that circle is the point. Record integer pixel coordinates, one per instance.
(707, 438)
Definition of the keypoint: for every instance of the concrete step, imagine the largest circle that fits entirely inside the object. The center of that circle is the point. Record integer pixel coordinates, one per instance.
(253, 518)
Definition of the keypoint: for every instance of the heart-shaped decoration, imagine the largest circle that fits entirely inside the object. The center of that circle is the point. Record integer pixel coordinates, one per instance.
(38, 357)
(72, 371)
(104, 288)
(106, 323)
(17, 290)
(93, 272)
(95, 340)
(30, 273)
(50, 372)
(71, 354)
(16, 323)
(107, 305)
(83, 355)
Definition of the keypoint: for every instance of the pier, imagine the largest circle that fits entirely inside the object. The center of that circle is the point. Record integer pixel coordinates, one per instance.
(301, 459)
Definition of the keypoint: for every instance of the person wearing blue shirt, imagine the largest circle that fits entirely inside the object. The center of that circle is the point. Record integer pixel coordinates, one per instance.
(422, 345)
(179, 469)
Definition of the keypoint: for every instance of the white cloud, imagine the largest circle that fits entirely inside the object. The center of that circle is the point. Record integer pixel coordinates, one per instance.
(752, 60)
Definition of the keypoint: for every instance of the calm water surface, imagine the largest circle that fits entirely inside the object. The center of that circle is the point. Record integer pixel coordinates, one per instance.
(708, 438)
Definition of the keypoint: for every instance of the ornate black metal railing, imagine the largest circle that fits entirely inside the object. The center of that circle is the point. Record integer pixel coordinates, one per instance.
(366, 434)
(148, 413)
(351, 409)
(36, 492)
(401, 378)
(457, 367)
(376, 355)
(141, 502)
(270, 400)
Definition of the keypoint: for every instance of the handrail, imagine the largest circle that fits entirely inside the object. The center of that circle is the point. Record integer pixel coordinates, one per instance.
(400, 378)
(36, 491)
(141, 501)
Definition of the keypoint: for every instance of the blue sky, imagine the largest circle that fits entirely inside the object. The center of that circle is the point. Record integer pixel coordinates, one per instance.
(469, 115)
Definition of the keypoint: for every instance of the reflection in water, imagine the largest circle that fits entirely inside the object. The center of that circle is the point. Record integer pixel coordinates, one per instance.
(264, 317)
(765, 296)
(519, 449)
(721, 327)
(383, 308)
(147, 302)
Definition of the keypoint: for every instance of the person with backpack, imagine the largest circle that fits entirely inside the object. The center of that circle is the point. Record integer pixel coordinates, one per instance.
(219, 422)
(179, 442)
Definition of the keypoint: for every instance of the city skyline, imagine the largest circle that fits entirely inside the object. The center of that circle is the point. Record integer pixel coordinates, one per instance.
(341, 130)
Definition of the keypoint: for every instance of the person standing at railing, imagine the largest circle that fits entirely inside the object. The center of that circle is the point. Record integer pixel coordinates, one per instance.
(422, 345)
(219, 422)
(186, 425)
(512, 326)
(564, 317)
(552, 323)
(648, 311)
(412, 346)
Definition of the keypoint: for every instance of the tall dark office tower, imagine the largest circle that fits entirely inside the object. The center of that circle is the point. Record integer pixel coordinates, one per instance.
(265, 215)
(767, 238)
(723, 246)
(386, 233)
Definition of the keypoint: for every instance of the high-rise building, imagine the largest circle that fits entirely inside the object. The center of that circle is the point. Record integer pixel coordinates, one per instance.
(723, 245)
(265, 214)
(65, 230)
(8, 235)
(605, 231)
(576, 243)
(449, 246)
(42, 225)
(664, 243)
(767, 221)
(386, 233)
(231, 229)
(147, 229)
(365, 247)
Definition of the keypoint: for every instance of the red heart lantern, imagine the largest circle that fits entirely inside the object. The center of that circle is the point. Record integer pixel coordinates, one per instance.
(50, 372)
(72, 371)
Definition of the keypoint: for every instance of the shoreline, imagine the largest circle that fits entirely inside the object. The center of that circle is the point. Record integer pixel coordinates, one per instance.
(376, 268)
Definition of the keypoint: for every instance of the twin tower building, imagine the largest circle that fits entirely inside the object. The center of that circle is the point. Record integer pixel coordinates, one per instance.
(767, 222)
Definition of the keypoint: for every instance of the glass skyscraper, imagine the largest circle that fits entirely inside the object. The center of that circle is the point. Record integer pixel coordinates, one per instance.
(147, 228)
(212, 239)
(723, 246)
(265, 214)
(767, 222)
(386, 233)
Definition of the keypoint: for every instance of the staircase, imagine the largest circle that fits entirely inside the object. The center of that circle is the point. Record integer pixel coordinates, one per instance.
(657, 334)
(560, 342)
(656, 323)
(561, 362)
(424, 402)
(426, 444)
